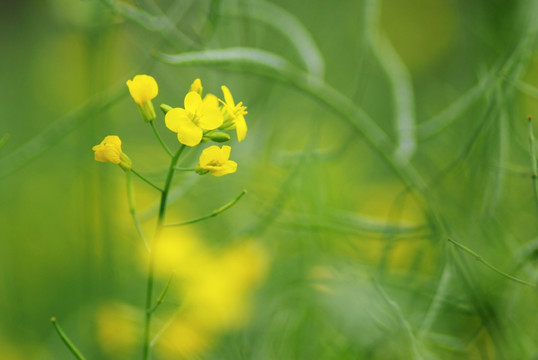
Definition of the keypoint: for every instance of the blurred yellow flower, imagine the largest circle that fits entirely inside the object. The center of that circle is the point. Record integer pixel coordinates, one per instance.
(143, 89)
(185, 339)
(216, 161)
(234, 114)
(118, 329)
(198, 115)
(109, 150)
(219, 294)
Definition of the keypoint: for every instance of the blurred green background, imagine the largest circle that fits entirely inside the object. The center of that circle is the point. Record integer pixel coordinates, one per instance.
(340, 246)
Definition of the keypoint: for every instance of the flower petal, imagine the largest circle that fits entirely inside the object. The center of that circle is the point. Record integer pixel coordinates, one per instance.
(227, 96)
(227, 168)
(210, 154)
(173, 118)
(142, 88)
(188, 133)
(193, 101)
(210, 117)
(240, 127)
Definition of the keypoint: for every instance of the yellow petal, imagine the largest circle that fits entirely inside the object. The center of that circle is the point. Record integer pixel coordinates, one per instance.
(225, 153)
(227, 96)
(227, 168)
(112, 140)
(193, 101)
(210, 117)
(188, 133)
(240, 127)
(209, 155)
(196, 86)
(142, 88)
(172, 118)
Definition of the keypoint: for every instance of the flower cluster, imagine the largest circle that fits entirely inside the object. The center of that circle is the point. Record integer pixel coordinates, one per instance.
(200, 120)
(200, 117)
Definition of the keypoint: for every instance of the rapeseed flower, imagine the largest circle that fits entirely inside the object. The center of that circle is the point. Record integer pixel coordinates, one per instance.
(198, 115)
(216, 161)
(109, 150)
(234, 114)
(143, 89)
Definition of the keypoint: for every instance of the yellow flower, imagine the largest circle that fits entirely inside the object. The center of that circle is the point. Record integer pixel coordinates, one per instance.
(143, 89)
(198, 115)
(215, 161)
(109, 150)
(234, 114)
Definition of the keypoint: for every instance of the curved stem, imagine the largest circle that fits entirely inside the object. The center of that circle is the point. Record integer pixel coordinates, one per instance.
(213, 213)
(132, 210)
(160, 221)
(150, 183)
(158, 136)
(66, 340)
(483, 261)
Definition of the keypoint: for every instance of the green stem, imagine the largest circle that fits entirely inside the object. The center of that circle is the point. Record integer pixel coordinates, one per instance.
(66, 340)
(184, 169)
(161, 297)
(534, 165)
(213, 213)
(132, 210)
(481, 259)
(160, 221)
(156, 187)
(158, 136)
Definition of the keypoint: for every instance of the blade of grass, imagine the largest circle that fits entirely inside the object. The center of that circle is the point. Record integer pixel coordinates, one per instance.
(534, 164)
(413, 343)
(403, 98)
(154, 23)
(3, 140)
(57, 130)
(288, 25)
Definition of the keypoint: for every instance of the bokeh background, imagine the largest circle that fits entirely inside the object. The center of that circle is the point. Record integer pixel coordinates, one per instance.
(339, 249)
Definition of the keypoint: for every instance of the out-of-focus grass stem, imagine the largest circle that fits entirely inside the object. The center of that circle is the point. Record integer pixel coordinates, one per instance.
(403, 322)
(132, 210)
(4, 139)
(534, 165)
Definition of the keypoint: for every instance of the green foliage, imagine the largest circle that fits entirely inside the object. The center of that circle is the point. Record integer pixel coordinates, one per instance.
(377, 132)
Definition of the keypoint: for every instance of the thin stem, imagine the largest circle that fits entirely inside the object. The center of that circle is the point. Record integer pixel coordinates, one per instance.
(184, 169)
(534, 165)
(161, 297)
(66, 340)
(213, 213)
(160, 221)
(481, 259)
(158, 136)
(132, 210)
(156, 187)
